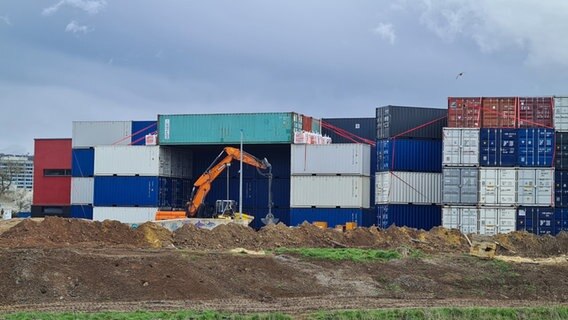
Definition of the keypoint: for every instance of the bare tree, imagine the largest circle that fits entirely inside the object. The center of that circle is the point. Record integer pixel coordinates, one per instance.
(9, 170)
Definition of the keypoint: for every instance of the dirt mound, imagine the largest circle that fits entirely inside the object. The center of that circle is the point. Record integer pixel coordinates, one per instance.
(155, 235)
(530, 245)
(58, 232)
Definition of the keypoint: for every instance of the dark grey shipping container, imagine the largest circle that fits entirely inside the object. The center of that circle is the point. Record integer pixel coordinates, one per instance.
(411, 122)
(361, 127)
(459, 186)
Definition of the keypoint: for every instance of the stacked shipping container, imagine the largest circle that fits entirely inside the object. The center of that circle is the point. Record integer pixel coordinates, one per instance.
(409, 158)
(497, 158)
(559, 220)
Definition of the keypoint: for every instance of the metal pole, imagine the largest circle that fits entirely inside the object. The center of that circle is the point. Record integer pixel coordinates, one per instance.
(241, 179)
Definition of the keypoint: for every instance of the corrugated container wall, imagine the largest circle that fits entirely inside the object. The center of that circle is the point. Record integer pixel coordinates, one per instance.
(464, 112)
(538, 220)
(410, 122)
(82, 212)
(464, 219)
(124, 214)
(329, 192)
(88, 134)
(561, 215)
(365, 128)
(561, 188)
(140, 129)
(413, 216)
(497, 220)
(497, 186)
(409, 155)
(536, 147)
(561, 154)
(535, 187)
(499, 112)
(331, 159)
(536, 112)
(83, 162)
(333, 217)
(202, 129)
(498, 147)
(460, 186)
(561, 114)
(408, 187)
(460, 147)
(82, 190)
(52, 172)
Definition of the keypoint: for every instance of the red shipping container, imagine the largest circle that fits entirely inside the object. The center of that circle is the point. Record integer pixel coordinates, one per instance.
(536, 112)
(499, 113)
(307, 123)
(464, 112)
(52, 172)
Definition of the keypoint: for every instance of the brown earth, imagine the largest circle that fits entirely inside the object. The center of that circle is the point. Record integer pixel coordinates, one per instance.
(65, 264)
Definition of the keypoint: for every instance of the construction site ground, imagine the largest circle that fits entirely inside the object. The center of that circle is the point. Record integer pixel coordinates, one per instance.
(57, 264)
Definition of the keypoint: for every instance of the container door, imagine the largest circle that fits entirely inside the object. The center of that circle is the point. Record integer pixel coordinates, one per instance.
(468, 220)
(382, 187)
(450, 217)
(488, 221)
(544, 185)
(470, 147)
(507, 186)
(526, 187)
(561, 113)
(451, 185)
(468, 183)
(451, 147)
(488, 186)
(507, 220)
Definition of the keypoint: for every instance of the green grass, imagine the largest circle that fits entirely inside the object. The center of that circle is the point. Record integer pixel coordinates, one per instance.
(343, 254)
(541, 313)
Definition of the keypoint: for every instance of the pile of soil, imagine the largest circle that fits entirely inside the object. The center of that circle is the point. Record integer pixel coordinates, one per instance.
(531, 245)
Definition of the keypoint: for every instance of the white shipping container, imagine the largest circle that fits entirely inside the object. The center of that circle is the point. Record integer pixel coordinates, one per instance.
(330, 191)
(460, 147)
(561, 114)
(124, 214)
(408, 187)
(464, 219)
(497, 186)
(331, 159)
(82, 190)
(535, 187)
(88, 134)
(497, 220)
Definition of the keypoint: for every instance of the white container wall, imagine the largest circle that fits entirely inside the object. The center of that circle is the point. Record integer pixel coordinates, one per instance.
(497, 220)
(408, 187)
(124, 214)
(535, 187)
(332, 159)
(561, 114)
(460, 147)
(497, 186)
(330, 191)
(88, 134)
(82, 190)
(464, 219)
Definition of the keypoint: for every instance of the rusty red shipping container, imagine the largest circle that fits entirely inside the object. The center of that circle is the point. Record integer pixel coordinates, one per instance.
(307, 123)
(499, 113)
(536, 112)
(52, 172)
(464, 112)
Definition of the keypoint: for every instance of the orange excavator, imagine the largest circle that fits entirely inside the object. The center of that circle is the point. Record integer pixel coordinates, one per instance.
(203, 185)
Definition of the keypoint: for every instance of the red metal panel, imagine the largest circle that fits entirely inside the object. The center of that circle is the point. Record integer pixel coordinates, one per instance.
(536, 112)
(52, 154)
(307, 123)
(464, 112)
(499, 113)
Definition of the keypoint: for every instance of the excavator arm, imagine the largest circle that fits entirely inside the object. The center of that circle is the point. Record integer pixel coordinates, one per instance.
(203, 184)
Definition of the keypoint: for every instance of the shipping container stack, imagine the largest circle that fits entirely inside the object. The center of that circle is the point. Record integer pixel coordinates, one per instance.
(330, 183)
(409, 166)
(497, 163)
(560, 217)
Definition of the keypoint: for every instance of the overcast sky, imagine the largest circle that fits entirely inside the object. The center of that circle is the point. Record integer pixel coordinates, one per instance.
(65, 60)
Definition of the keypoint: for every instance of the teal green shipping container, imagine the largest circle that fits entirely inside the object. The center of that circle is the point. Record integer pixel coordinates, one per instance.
(258, 128)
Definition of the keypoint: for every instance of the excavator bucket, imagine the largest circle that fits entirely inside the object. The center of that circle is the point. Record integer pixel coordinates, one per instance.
(269, 219)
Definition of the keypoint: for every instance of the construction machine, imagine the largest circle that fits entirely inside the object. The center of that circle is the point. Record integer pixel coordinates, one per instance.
(224, 209)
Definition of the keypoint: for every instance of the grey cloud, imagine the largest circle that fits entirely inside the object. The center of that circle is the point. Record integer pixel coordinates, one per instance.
(75, 27)
(89, 6)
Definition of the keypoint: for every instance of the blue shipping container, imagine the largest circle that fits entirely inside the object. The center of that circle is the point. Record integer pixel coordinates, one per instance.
(82, 212)
(283, 215)
(498, 147)
(333, 217)
(140, 129)
(414, 216)
(538, 220)
(255, 192)
(409, 155)
(536, 147)
(115, 191)
(83, 162)
(561, 188)
(561, 216)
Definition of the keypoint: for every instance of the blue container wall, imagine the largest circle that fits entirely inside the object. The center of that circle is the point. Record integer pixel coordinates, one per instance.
(255, 192)
(536, 147)
(414, 216)
(561, 188)
(24, 215)
(133, 192)
(333, 217)
(82, 212)
(365, 128)
(561, 216)
(538, 220)
(283, 215)
(409, 155)
(561, 154)
(83, 162)
(498, 147)
(140, 129)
